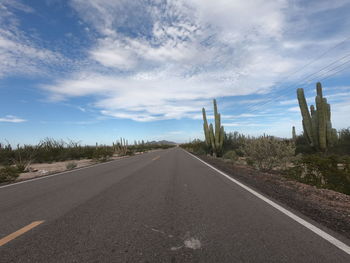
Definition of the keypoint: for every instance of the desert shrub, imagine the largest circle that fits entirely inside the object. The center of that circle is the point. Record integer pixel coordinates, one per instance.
(24, 156)
(197, 147)
(267, 153)
(71, 165)
(102, 153)
(342, 147)
(234, 141)
(8, 174)
(331, 172)
(130, 152)
(6, 154)
(231, 156)
(50, 150)
(302, 146)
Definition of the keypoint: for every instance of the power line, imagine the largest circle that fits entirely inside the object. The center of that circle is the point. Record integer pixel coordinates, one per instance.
(289, 93)
(316, 59)
(306, 65)
(305, 79)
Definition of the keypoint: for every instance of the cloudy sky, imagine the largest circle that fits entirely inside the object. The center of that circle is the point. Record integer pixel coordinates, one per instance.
(96, 70)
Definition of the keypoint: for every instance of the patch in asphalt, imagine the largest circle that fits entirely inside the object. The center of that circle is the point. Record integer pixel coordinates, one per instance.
(192, 243)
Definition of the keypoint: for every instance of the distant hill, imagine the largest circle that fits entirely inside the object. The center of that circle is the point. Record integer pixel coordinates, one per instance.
(163, 142)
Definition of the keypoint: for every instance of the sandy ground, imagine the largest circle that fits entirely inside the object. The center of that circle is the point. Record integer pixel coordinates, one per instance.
(42, 169)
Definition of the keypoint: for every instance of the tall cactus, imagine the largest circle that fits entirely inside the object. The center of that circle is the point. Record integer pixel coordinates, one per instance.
(317, 126)
(307, 124)
(206, 128)
(214, 137)
(294, 135)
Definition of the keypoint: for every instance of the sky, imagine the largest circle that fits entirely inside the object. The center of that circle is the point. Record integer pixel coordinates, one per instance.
(97, 70)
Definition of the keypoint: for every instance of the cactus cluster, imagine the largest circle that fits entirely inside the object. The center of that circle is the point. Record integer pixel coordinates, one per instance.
(317, 123)
(121, 147)
(214, 137)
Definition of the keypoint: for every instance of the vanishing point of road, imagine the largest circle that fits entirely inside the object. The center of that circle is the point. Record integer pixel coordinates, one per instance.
(162, 206)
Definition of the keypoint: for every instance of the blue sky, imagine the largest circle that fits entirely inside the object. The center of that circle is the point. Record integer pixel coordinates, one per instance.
(97, 70)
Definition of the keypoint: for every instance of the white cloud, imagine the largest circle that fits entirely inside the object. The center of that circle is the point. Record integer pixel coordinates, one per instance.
(340, 114)
(175, 56)
(146, 97)
(19, 54)
(156, 60)
(11, 118)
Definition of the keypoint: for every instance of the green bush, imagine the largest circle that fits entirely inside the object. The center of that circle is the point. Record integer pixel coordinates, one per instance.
(267, 153)
(231, 156)
(102, 153)
(342, 147)
(197, 147)
(71, 165)
(8, 174)
(331, 172)
(302, 146)
(234, 141)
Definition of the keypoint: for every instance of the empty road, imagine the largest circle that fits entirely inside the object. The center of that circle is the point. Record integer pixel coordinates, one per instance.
(163, 206)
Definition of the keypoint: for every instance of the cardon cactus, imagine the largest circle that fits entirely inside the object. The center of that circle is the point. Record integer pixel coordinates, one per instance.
(317, 125)
(294, 135)
(214, 137)
(206, 128)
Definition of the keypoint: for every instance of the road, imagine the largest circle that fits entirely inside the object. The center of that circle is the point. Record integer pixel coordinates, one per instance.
(163, 206)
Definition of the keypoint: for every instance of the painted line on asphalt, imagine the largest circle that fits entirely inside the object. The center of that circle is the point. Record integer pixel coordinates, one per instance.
(155, 158)
(65, 172)
(19, 232)
(288, 213)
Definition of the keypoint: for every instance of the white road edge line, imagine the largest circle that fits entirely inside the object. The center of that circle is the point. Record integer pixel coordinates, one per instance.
(301, 221)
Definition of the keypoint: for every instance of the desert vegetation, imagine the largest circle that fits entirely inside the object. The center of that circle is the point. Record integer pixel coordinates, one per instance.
(318, 156)
(19, 159)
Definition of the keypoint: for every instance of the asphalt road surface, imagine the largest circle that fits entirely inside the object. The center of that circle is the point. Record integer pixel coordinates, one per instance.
(163, 206)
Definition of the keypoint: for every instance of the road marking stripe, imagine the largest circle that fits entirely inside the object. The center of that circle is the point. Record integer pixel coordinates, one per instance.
(16, 234)
(155, 158)
(288, 213)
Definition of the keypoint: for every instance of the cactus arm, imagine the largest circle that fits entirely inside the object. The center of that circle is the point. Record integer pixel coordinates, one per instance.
(328, 112)
(222, 136)
(329, 134)
(319, 89)
(294, 135)
(307, 124)
(217, 131)
(314, 122)
(212, 138)
(205, 127)
(322, 129)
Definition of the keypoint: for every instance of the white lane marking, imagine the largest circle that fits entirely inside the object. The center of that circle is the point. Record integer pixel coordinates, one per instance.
(65, 172)
(301, 221)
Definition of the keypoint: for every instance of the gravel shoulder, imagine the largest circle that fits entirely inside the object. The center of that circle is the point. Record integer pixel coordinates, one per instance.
(44, 169)
(327, 207)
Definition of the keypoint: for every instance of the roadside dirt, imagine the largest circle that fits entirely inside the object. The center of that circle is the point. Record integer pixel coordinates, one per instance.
(327, 207)
(43, 169)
